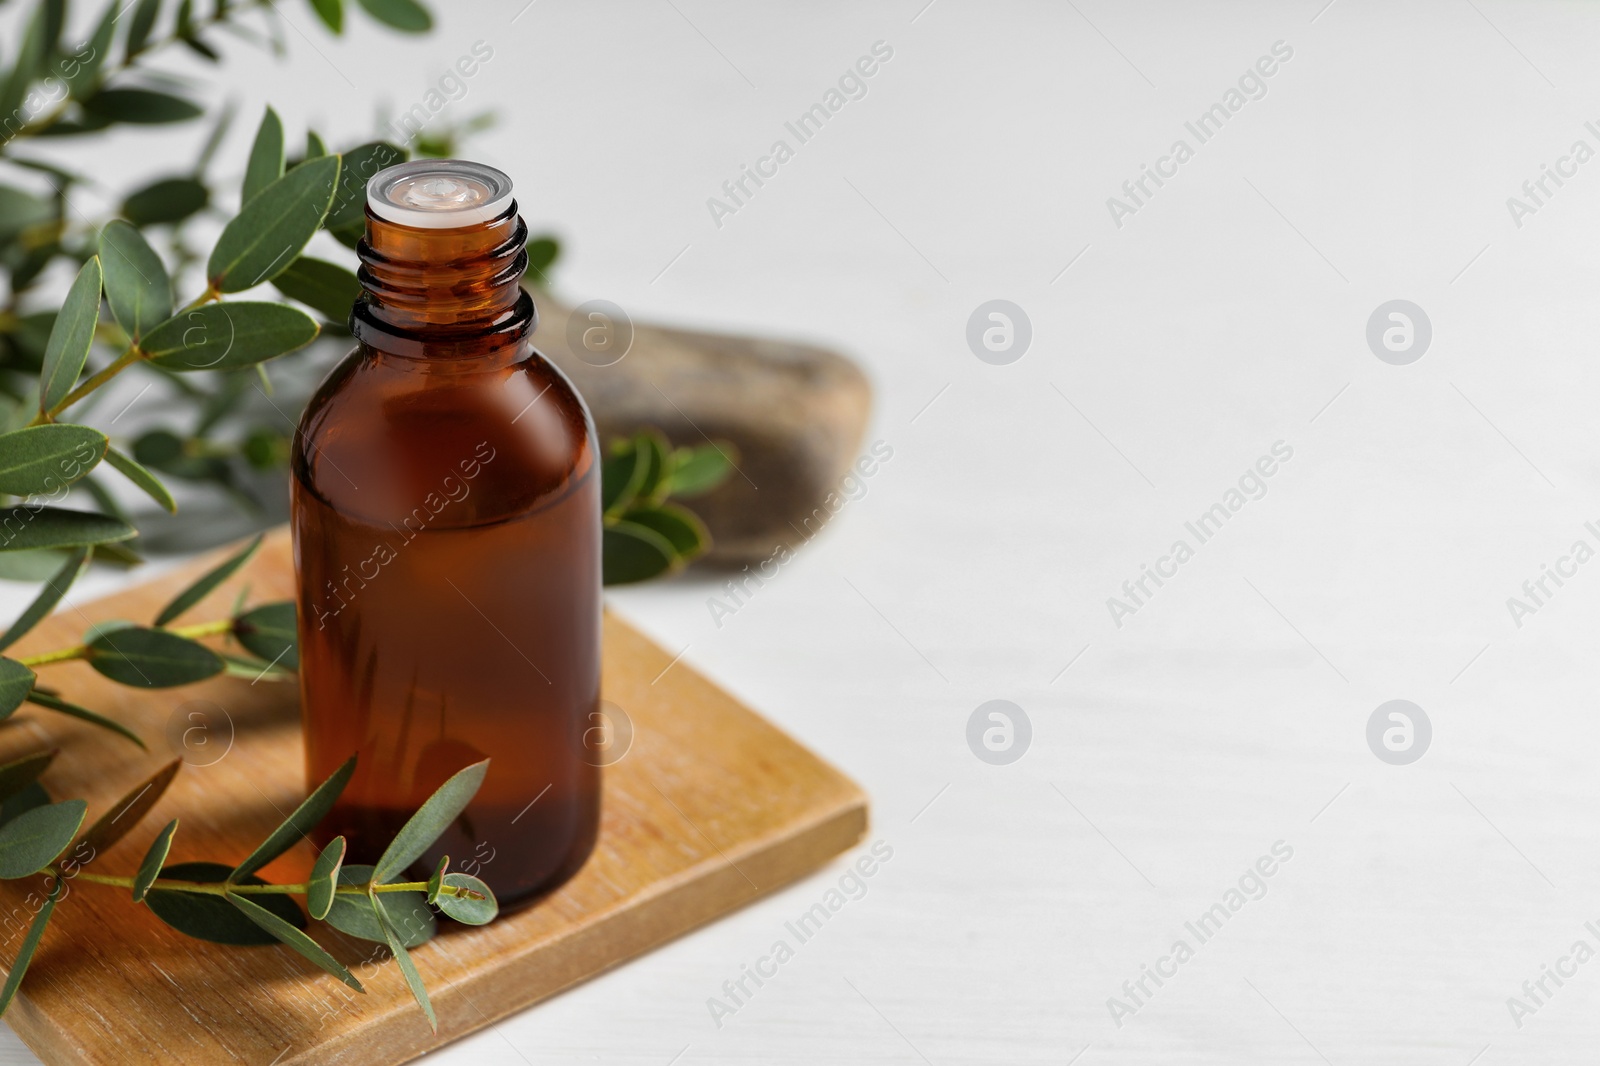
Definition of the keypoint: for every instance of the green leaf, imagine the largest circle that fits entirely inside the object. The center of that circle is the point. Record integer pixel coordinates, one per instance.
(137, 286)
(71, 336)
(54, 588)
(151, 658)
(30, 944)
(407, 16)
(211, 917)
(23, 528)
(407, 911)
(145, 107)
(331, 12)
(432, 818)
(620, 477)
(19, 210)
(324, 879)
(141, 477)
(360, 164)
(202, 588)
(542, 255)
(139, 27)
(419, 991)
(297, 825)
(273, 226)
(121, 817)
(166, 201)
(20, 773)
(32, 795)
(315, 149)
(266, 156)
(154, 859)
(290, 936)
(680, 526)
(82, 75)
(45, 459)
(631, 553)
(31, 841)
(227, 336)
(455, 902)
(269, 631)
(654, 446)
(16, 681)
(696, 471)
(56, 703)
(437, 880)
(326, 287)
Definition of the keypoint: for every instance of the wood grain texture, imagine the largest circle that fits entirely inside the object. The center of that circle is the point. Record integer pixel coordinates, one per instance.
(711, 807)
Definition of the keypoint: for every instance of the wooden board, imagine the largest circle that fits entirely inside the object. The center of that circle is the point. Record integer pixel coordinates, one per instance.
(710, 807)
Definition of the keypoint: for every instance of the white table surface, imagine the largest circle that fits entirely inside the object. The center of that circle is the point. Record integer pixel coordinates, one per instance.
(1228, 313)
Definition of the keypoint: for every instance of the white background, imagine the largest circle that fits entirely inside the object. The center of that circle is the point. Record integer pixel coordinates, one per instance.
(1229, 313)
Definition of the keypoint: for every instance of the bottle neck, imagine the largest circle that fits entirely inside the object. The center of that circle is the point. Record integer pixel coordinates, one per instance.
(429, 293)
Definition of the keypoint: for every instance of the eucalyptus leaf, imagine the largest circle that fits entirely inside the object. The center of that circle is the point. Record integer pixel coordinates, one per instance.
(437, 880)
(542, 255)
(621, 475)
(207, 582)
(630, 553)
(408, 969)
(407, 16)
(20, 773)
(407, 911)
(19, 210)
(124, 815)
(54, 588)
(154, 859)
(147, 107)
(679, 526)
(324, 879)
(139, 27)
(654, 447)
(83, 714)
(137, 286)
(360, 164)
(25, 528)
(30, 944)
(696, 471)
(226, 336)
(266, 156)
(269, 631)
(16, 681)
(151, 658)
(455, 903)
(432, 818)
(71, 336)
(295, 827)
(144, 479)
(315, 149)
(31, 841)
(273, 226)
(331, 12)
(327, 287)
(32, 795)
(166, 201)
(211, 917)
(291, 936)
(45, 459)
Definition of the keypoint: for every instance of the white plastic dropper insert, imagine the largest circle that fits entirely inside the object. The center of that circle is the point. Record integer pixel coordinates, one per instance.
(439, 193)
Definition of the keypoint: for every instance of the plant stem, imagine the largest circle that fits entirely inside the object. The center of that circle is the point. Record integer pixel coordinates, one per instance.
(212, 888)
(82, 651)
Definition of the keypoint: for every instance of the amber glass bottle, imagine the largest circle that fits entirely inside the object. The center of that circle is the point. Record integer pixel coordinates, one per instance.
(446, 510)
